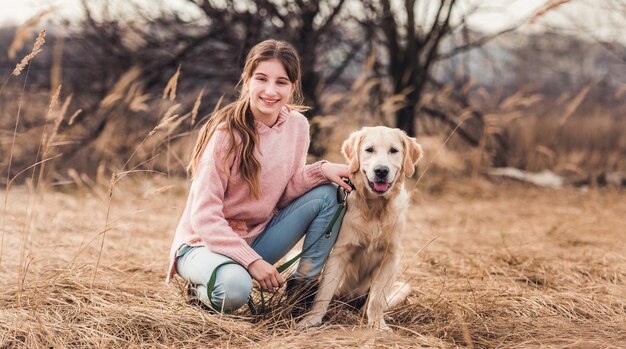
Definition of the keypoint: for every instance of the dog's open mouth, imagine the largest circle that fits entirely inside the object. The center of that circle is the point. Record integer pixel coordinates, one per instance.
(379, 187)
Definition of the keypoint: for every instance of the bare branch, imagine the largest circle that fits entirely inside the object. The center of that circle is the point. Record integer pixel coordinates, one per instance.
(454, 123)
(548, 7)
(411, 49)
(474, 44)
(330, 19)
(436, 24)
(354, 49)
(390, 30)
(271, 8)
(440, 33)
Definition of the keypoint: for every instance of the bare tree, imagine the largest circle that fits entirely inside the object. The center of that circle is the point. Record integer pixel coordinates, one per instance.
(412, 48)
(414, 34)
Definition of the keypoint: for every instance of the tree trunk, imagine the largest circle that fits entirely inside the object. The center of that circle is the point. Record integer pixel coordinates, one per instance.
(310, 81)
(405, 119)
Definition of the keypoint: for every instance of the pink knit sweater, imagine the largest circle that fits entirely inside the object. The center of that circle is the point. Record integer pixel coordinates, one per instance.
(220, 214)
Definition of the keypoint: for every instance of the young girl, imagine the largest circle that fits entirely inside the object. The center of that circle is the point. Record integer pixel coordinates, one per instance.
(253, 196)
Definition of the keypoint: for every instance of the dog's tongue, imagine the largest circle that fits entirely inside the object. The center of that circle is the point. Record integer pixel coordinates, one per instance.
(381, 186)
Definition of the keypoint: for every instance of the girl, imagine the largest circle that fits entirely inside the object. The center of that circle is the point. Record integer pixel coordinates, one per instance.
(252, 196)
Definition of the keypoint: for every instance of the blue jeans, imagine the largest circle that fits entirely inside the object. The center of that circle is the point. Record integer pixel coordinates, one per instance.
(308, 215)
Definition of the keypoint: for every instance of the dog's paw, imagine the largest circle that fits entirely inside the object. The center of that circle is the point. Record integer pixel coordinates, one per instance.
(309, 321)
(384, 327)
(380, 326)
(399, 292)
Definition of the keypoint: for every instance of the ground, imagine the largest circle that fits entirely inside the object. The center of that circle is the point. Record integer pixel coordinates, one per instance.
(491, 265)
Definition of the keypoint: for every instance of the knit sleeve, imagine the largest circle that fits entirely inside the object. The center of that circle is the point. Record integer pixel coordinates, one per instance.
(305, 177)
(207, 217)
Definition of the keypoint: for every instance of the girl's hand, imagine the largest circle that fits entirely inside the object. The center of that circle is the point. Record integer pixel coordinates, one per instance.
(335, 172)
(265, 274)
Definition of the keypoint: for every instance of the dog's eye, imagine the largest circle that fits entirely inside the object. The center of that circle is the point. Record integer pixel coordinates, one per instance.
(393, 150)
(369, 149)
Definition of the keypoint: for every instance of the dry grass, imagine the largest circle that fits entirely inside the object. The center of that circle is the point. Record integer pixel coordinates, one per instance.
(574, 135)
(511, 267)
(41, 39)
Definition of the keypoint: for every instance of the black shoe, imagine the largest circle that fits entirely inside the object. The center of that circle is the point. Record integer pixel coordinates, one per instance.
(300, 294)
(194, 300)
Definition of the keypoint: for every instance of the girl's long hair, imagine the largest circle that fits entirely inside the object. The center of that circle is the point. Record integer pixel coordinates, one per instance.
(237, 116)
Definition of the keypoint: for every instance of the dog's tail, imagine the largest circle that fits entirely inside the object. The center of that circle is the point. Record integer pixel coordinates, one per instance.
(399, 291)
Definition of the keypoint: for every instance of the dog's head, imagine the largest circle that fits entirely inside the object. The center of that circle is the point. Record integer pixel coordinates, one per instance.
(381, 155)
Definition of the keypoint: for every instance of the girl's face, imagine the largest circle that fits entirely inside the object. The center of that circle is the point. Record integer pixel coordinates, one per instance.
(269, 89)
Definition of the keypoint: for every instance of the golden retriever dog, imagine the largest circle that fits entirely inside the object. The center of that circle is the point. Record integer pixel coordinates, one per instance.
(366, 256)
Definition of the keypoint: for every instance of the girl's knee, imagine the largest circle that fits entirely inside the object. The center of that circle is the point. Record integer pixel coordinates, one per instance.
(233, 288)
(327, 193)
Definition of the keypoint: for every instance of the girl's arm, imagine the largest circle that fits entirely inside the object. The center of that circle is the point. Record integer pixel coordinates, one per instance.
(306, 177)
(303, 177)
(207, 203)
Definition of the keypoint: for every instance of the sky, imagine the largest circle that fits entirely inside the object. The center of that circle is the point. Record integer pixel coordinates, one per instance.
(577, 16)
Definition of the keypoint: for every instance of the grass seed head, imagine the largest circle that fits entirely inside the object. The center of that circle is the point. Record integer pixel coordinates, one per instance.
(41, 39)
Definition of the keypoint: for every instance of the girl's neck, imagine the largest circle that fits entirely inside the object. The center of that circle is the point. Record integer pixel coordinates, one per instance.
(268, 120)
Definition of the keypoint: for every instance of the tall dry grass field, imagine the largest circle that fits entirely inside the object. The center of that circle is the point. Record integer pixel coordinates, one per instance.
(510, 266)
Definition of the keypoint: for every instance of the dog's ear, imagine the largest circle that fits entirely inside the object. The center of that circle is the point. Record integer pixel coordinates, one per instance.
(412, 154)
(350, 150)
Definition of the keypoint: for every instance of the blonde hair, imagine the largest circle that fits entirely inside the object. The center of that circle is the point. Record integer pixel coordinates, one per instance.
(237, 116)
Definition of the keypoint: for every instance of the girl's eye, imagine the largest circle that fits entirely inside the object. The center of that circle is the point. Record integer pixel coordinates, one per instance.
(369, 149)
(282, 83)
(393, 150)
(260, 78)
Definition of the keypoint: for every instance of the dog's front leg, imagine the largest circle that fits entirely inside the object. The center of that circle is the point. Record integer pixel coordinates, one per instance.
(333, 273)
(377, 303)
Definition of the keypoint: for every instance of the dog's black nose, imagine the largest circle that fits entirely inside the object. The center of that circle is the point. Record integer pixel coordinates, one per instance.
(381, 171)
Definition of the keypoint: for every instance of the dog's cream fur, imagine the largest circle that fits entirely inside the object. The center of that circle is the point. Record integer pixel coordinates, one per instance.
(366, 256)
